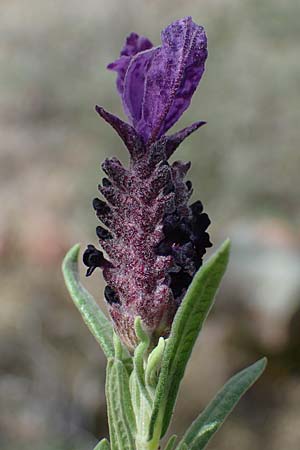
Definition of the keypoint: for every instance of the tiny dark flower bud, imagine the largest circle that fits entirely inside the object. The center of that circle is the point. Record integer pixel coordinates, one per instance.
(111, 296)
(197, 208)
(200, 222)
(179, 283)
(99, 205)
(102, 233)
(106, 182)
(93, 258)
(102, 210)
(189, 185)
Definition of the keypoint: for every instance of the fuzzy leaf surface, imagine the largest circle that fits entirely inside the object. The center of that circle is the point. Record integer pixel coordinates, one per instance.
(120, 412)
(209, 422)
(185, 329)
(95, 319)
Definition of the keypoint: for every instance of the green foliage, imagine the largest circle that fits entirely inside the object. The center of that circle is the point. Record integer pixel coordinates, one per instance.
(141, 390)
(99, 325)
(120, 413)
(185, 329)
(153, 363)
(208, 423)
(121, 417)
(138, 359)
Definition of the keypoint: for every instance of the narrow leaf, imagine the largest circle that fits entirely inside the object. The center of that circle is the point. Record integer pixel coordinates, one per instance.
(120, 413)
(95, 319)
(185, 329)
(153, 363)
(209, 422)
(109, 401)
(135, 393)
(138, 360)
(102, 445)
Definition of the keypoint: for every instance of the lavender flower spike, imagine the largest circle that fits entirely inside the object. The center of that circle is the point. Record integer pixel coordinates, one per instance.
(154, 241)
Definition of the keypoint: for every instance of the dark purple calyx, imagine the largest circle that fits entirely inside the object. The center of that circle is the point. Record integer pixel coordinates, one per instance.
(153, 240)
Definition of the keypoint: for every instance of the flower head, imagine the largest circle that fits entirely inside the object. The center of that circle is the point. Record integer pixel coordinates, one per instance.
(157, 83)
(154, 241)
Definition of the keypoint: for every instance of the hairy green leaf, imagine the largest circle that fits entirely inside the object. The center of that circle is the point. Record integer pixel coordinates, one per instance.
(138, 360)
(95, 319)
(153, 363)
(185, 329)
(109, 402)
(121, 418)
(208, 423)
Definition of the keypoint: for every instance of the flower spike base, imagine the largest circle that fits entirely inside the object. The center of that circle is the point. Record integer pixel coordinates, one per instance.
(141, 389)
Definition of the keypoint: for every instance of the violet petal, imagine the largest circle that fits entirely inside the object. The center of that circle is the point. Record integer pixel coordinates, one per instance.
(159, 83)
(134, 91)
(133, 45)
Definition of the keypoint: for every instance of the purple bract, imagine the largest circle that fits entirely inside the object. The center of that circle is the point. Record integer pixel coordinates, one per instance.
(153, 240)
(157, 83)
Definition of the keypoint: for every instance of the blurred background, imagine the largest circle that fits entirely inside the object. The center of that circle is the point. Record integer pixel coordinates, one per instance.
(246, 164)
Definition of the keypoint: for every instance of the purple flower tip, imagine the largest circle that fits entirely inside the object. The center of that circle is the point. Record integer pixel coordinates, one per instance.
(157, 83)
